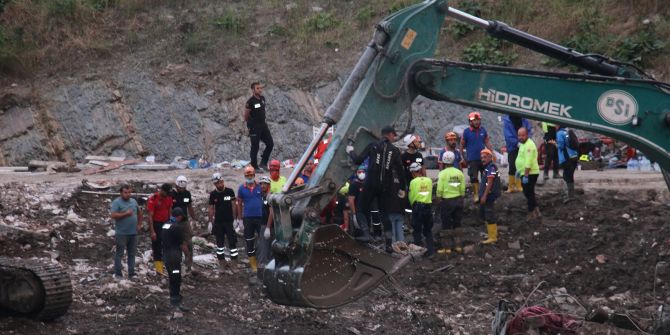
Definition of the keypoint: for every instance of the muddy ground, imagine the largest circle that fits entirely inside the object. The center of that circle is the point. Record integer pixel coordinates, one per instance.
(608, 249)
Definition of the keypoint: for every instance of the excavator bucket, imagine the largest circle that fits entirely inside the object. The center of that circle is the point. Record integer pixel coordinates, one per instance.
(336, 270)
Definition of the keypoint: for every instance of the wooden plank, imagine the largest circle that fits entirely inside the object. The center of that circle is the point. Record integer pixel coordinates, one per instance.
(14, 168)
(111, 166)
(150, 167)
(105, 158)
(98, 163)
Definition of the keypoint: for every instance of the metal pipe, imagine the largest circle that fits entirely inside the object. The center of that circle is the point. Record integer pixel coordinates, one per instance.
(467, 18)
(336, 109)
(305, 157)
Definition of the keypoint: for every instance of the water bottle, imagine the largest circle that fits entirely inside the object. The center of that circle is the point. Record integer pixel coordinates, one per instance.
(645, 164)
(632, 165)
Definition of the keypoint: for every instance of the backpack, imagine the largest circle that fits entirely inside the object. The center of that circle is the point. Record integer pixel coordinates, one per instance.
(573, 140)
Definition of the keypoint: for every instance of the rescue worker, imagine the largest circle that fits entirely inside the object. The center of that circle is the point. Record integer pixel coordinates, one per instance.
(421, 199)
(181, 197)
(451, 194)
(159, 206)
(489, 191)
(355, 189)
(451, 140)
(173, 235)
(474, 140)
(567, 159)
(264, 243)
(528, 170)
(127, 223)
(254, 115)
(550, 150)
(384, 164)
(276, 181)
(412, 154)
(307, 171)
(250, 211)
(511, 125)
(222, 212)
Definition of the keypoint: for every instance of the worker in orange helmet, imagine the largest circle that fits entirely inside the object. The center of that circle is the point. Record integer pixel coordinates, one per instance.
(475, 138)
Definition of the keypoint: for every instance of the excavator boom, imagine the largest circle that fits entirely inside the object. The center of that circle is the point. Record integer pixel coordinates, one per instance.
(320, 266)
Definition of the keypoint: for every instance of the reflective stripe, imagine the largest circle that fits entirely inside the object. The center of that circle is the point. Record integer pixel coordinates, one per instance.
(233, 252)
(408, 210)
(220, 251)
(175, 271)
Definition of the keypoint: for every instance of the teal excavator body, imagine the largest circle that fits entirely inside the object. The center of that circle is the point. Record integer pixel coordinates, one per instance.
(321, 266)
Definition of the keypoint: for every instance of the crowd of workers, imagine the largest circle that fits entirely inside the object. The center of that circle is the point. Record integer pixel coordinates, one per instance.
(388, 193)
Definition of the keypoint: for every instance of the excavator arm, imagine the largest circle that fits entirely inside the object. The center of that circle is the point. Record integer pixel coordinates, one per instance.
(319, 265)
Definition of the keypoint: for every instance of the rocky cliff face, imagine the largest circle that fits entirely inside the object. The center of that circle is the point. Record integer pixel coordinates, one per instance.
(135, 113)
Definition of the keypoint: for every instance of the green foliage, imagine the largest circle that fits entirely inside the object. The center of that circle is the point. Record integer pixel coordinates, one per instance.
(63, 8)
(487, 51)
(364, 15)
(637, 47)
(277, 30)
(400, 4)
(2, 5)
(589, 37)
(459, 29)
(195, 43)
(229, 22)
(321, 22)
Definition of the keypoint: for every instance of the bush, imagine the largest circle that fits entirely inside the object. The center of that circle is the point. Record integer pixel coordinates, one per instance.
(487, 51)
(321, 22)
(637, 47)
(459, 29)
(364, 15)
(400, 4)
(229, 22)
(277, 30)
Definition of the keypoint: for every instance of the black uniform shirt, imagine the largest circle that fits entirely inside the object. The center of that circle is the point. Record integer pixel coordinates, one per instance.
(173, 236)
(181, 199)
(223, 205)
(257, 108)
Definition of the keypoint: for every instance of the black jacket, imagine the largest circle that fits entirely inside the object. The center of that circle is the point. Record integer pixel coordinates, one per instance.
(383, 160)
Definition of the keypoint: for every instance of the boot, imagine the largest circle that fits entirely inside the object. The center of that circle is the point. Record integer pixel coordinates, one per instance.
(252, 263)
(430, 246)
(556, 175)
(537, 214)
(457, 239)
(445, 243)
(518, 185)
(389, 246)
(492, 230)
(160, 267)
(475, 193)
(511, 186)
(570, 196)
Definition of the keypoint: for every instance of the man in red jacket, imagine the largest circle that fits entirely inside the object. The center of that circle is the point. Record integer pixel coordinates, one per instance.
(159, 206)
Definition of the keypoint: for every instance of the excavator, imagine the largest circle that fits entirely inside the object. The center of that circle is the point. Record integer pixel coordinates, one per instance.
(320, 266)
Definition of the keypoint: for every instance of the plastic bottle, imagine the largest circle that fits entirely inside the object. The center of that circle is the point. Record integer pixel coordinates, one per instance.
(633, 165)
(645, 164)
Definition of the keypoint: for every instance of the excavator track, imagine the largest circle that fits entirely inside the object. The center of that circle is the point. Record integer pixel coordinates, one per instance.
(33, 288)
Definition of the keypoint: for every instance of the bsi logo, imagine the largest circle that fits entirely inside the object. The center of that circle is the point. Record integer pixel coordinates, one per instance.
(617, 107)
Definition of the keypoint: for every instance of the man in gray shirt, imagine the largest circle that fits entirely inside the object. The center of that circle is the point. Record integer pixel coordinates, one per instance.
(127, 222)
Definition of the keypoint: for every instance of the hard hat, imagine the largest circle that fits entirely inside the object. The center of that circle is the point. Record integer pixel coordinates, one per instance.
(181, 181)
(265, 179)
(216, 177)
(486, 151)
(408, 139)
(299, 182)
(448, 157)
(450, 135)
(415, 167)
(177, 211)
(362, 167)
(274, 165)
(249, 169)
(474, 115)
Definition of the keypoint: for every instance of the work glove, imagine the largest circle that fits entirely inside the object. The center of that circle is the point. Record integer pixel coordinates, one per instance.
(266, 233)
(349, 148)
(524, 180)
(401, 194)
(355, 220)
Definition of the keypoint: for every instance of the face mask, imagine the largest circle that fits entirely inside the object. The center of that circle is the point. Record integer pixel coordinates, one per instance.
(361, 176)
(250, 180)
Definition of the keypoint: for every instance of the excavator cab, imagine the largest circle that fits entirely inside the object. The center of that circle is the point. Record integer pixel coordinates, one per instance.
(321, 266)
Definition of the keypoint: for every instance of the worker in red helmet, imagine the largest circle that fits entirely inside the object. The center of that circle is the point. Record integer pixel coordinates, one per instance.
(276, 180)
(474, 140)
(250, 212)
